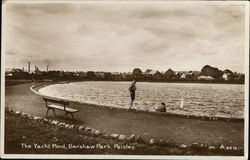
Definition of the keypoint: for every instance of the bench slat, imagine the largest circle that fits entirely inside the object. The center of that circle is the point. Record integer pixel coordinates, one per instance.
(62, 108)
(54, 100)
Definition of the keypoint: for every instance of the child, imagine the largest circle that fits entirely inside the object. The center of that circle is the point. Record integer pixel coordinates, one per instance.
(161, 108)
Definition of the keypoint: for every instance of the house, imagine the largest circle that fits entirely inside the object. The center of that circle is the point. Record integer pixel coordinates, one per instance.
(38, 72)
(100, 75)
(81, 74)
(225, 76)
(207, 78)
(116, 76)
(16, 73)
(17, 70)
(190, 75)
(183, 76)
(154, 74)
(8, 74)
(127, 76)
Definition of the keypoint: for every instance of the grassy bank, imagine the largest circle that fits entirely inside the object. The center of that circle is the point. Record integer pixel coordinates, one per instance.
(24, 136)
(23, 81)
(16, 82)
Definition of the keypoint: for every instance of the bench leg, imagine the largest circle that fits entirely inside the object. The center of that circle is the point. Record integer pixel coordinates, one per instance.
(72, 115)
(47, 112)
(65, 115)
(54, 112)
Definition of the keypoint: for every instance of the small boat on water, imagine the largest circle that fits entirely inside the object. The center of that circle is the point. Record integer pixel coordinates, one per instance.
(182, 103)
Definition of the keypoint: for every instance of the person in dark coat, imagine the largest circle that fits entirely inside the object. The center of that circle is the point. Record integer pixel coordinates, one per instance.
(161, 108)
(132, 89)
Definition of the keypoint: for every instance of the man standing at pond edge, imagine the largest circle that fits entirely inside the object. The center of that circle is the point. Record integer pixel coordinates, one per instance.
(132, 89)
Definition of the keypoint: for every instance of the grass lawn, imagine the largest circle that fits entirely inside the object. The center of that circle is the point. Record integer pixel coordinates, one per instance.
(24, 136)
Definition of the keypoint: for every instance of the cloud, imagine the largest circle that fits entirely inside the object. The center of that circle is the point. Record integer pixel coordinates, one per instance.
(121, 36)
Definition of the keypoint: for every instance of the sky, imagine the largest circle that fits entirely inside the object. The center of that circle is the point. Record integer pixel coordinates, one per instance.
(120, 36)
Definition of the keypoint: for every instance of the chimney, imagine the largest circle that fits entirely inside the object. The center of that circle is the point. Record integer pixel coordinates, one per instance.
(29, 67)
(47, 67)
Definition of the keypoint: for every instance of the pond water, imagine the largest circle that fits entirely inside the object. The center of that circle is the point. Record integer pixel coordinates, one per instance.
(222, 100)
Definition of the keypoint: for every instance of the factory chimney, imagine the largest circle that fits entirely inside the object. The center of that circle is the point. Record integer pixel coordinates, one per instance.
(29, 67)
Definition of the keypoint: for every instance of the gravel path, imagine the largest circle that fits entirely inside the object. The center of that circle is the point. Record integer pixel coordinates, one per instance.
(173, 129)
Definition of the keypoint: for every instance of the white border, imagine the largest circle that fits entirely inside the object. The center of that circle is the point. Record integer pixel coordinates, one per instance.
(54, 156)
(185, 2)
(2, 81)
(246, 146)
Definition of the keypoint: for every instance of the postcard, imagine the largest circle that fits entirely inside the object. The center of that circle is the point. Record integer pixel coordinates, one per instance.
(125, 79)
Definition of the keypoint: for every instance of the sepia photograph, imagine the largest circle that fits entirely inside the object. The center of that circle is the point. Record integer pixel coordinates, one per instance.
(125, 79)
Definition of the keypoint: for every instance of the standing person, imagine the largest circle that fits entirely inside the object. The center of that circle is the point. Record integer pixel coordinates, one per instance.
(132, 89)
(33, 81)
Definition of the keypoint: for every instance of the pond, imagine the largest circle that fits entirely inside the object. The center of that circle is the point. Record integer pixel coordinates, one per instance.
(223, 100)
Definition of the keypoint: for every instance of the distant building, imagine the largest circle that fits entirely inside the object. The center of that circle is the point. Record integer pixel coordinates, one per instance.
(81, 74)
(116, 76)
(225, 76)
(100, 75)
(205, 78)
(127, 75)
(190, 75)
(148, 70)
(16, 73)
(17, 70)
(183, 75)
(8, 74)
(154, 74)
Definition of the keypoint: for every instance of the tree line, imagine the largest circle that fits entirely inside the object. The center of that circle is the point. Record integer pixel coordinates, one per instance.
(169, 75)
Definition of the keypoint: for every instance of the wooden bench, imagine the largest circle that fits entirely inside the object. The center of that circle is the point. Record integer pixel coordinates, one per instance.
(52, 104)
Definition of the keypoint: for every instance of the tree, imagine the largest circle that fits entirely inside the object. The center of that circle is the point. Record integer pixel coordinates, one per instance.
(211, 71)
(137, 73)
(90, 75)
(227, 71)
(107, 76)
(169, 74)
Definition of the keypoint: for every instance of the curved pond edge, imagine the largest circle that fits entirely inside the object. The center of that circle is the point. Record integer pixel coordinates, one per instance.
(34, 87)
